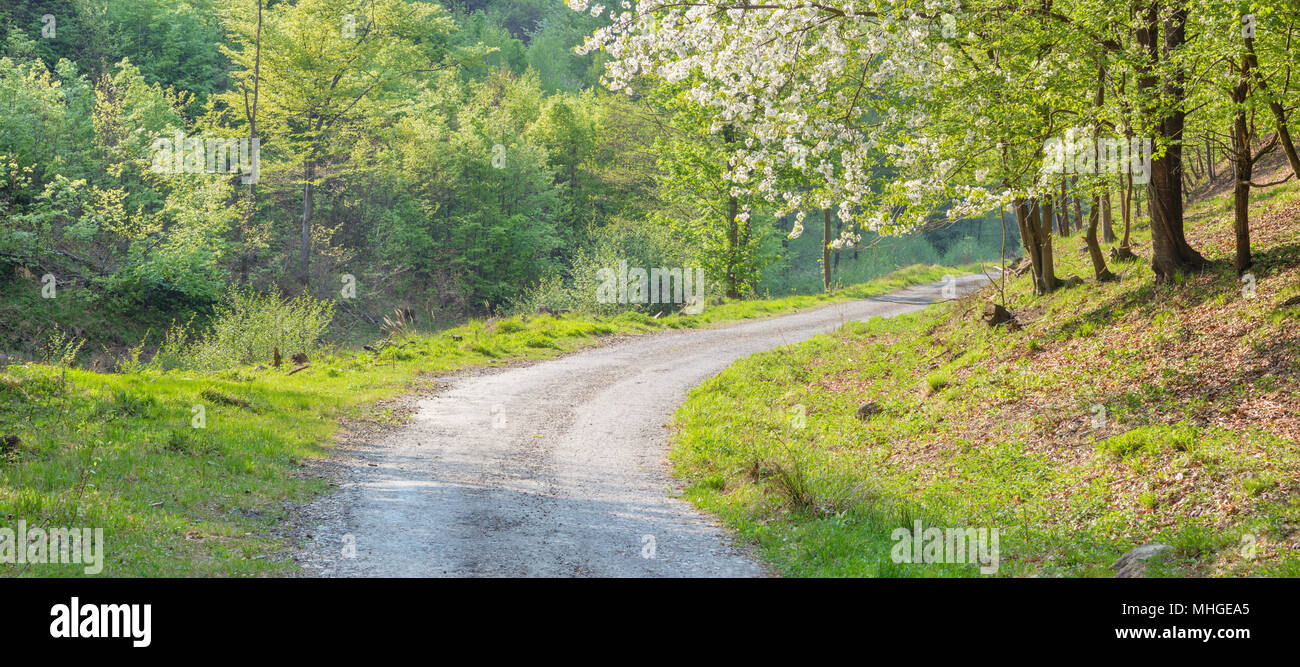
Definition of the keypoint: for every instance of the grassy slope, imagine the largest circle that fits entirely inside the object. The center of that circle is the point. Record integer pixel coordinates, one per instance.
(118, 451)
(1200, 447)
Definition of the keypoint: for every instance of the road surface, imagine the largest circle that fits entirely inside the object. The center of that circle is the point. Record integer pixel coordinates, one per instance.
(552, 469)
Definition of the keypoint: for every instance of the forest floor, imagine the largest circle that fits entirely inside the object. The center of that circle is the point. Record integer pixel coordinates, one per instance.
(1117, 414)
(193, 473)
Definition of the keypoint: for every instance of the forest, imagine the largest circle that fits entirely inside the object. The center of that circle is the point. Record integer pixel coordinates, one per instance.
(439, 160)
(841, 267)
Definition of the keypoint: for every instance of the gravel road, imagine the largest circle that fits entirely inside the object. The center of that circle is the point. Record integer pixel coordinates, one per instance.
(553, 469)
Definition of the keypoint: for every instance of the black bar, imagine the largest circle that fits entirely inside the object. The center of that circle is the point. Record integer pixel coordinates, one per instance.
(939, 617)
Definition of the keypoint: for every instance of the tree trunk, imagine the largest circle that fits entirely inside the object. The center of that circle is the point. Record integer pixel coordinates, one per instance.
(1037, 240)
(1099, 269)
(1107, 229)
(1241, 191)
(1279, 113)
(1029, 239)
(250, 111)
(1002, 276)
(1170, 253)
(304, 261)
(733, 240)
(733, 230)
(1209, 159)
(826, 249)
(1046, 209)
(839, 229)
(1050, 281)
(1127, 211)
(1078, 214)
(1243, 161)
(1094, 249)
(1063, 213)
(1284, 137)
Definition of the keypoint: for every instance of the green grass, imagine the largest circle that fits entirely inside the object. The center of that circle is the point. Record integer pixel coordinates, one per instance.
(176, 496)
(1120, 414)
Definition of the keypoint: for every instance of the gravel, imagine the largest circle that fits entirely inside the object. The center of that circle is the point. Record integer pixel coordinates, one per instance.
(552, 469)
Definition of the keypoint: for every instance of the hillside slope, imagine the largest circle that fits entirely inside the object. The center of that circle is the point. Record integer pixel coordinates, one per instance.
(1119, 414)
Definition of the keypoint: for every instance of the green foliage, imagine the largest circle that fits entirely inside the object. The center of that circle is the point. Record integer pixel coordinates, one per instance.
(936, 381)
(61, 350)
(248, 327)
(1014, 439)
(176, 43)
(233, 479)
(702, 210)
(394, 135)
(637, 244)
(1150, 440)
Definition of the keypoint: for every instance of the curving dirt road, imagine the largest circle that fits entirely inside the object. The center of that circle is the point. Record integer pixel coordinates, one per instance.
(553, 469)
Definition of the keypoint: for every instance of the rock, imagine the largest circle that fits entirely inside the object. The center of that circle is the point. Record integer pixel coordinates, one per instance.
(1133, 565)
(868, 410)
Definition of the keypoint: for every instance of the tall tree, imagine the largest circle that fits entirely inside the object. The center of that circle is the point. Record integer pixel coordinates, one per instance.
(1171, 254)
(326, 64)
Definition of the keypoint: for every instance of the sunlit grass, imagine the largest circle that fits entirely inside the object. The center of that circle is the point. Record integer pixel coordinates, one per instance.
(122, 451)
(1069, 434)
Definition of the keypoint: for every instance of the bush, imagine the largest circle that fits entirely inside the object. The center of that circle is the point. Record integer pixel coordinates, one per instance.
(937, 380)
(61, 349)
(1150, 440)
(248, 327)
(639, 244)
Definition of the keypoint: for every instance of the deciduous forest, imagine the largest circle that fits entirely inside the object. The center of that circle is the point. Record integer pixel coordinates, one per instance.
(653, 288)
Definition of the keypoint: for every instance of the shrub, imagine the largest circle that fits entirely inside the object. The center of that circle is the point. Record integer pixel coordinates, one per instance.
(510, 326)
(540, 340)
(249, 326)
(1150, 440)
(173, 351)
(61, 349)
(936, 381)
(638, 244)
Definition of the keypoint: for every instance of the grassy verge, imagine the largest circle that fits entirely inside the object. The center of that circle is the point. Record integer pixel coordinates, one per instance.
(1120, 414)
(191, 474)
